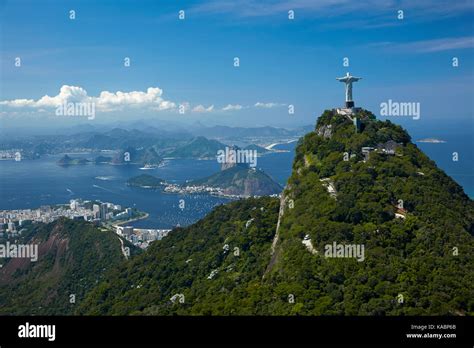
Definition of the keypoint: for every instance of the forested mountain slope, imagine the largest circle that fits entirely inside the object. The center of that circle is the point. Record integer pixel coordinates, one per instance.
(72, 258)
(400, 229)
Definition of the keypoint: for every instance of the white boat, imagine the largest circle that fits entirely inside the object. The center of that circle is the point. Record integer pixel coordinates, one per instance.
(148, 167)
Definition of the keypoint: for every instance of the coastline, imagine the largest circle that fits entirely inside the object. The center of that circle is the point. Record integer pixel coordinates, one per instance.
(132, 220)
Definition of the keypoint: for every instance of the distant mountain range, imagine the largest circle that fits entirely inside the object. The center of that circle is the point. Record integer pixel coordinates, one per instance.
(199, 147)
(150, 146)
(243, 132)
(173, 143)
(194, 148)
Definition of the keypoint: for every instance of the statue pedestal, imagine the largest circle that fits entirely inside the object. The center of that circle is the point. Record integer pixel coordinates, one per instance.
(349, 104)
(347, 111)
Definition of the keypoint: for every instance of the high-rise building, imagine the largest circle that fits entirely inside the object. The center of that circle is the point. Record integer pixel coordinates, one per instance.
(73, 204)
(96, 211)
(127, 231)
(11, 226)
(103, 211)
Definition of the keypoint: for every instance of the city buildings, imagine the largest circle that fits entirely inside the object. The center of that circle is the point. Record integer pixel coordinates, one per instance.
(99, 213)
(141, 237)
(76, 209)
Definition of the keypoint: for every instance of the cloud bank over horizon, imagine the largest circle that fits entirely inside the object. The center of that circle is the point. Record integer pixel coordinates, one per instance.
(150, 100)
(106, 101)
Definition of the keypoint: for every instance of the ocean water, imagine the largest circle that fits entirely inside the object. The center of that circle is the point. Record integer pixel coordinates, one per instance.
(458, 133)
(462, 169)
(32, 183)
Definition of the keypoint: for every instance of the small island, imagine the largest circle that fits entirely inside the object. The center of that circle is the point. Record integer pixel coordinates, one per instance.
(431, 140)
(67, 161)
(146, 181)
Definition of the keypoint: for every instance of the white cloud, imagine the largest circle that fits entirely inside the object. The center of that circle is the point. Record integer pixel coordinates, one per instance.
(200, 108)
(106, 101)
(231, 107)
(66, 94)
(18, 103)
(149, 100)
(424, 10)
(268, 105)
(426, 46)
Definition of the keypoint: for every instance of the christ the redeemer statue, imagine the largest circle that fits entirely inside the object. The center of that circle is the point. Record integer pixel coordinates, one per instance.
(348, 79)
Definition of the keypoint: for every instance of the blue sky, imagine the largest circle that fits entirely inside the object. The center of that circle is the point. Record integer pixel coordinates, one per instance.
(191, 61)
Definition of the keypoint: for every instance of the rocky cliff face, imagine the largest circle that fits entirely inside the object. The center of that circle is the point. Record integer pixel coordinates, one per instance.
(233, 156)
(325, 131)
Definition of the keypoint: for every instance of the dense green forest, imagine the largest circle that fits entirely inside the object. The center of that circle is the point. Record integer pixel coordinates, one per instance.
(213, 264)
(415, 223)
